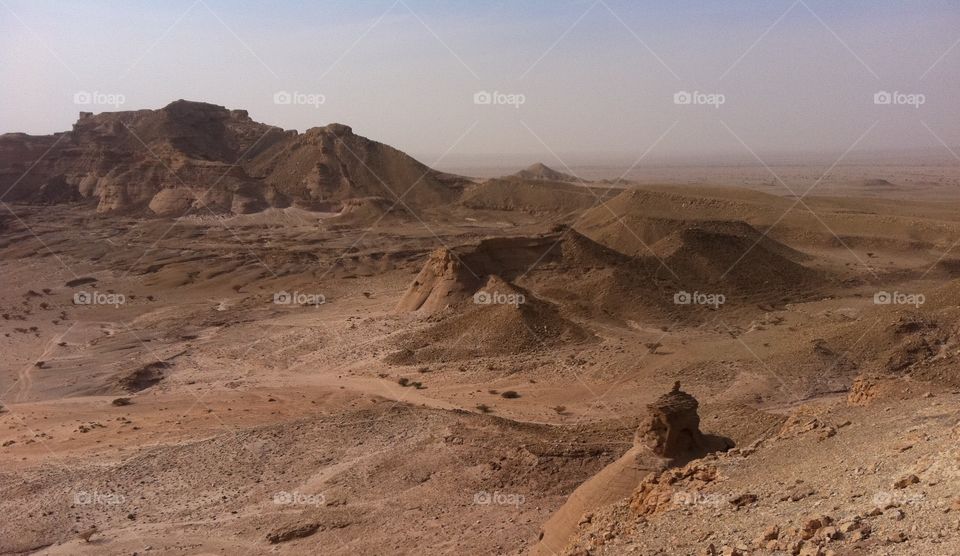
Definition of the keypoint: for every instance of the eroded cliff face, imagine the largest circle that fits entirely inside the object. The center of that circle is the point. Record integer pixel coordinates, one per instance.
(191, 156)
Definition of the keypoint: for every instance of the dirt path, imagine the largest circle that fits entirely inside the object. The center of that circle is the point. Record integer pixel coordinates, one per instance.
(25, 376)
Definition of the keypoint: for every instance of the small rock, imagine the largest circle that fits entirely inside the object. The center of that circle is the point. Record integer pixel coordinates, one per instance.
(904, 482)
(897, 537)
(798, 493)
(292, 532)
(810, 550)
(743, 499)
(829, 533)
(848, 526)
(814, 524)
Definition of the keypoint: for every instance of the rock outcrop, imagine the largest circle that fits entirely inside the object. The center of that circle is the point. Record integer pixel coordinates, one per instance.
(499, 319)
(451, 276)
(668, 438)
(443, 281)
(672, 426)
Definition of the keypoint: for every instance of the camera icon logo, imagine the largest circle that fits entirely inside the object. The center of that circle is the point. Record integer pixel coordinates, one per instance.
(682, 97)
(882, 298)
(482, 298)
(682, 298)
(82, 97)
(282, 298)
(882, 498)
(882, 97)
(282, 97)
(482, 97)
(82, 298)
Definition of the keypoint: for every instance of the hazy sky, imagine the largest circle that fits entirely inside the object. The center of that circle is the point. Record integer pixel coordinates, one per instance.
(595, 77)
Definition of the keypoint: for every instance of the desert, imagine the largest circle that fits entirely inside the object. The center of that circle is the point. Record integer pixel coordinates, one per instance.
(222, 335)
(242, 358)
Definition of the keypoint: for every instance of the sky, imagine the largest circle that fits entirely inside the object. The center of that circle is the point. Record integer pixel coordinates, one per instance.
(606, 79)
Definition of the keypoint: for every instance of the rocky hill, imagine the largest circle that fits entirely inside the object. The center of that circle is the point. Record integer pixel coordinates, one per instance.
(192, 156)
(542, 172)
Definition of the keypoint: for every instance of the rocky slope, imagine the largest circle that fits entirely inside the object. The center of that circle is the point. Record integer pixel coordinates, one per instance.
(668, 437)
(883, 481)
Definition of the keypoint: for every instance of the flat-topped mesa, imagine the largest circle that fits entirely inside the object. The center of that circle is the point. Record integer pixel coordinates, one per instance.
(672, 427)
